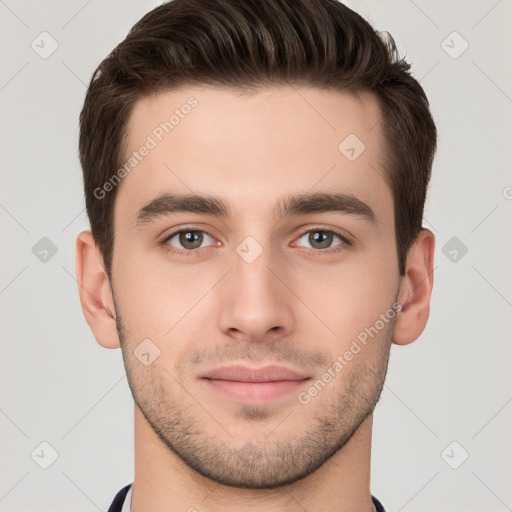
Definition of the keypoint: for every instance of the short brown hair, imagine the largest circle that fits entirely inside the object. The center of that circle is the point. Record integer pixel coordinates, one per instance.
(253, 44)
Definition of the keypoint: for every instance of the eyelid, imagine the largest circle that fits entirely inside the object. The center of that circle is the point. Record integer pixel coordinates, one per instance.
(338, 232)
(182, 229)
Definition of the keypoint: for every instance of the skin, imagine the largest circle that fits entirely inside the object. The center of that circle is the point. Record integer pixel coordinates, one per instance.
(193, 446)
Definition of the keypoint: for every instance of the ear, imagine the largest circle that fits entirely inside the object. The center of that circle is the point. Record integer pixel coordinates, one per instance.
(415, 289)
(94, 290)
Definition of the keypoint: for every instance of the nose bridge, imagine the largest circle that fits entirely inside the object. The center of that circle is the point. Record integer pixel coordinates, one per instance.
(256, 299)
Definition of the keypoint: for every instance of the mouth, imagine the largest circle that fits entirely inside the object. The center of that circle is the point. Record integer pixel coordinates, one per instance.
(249, 385)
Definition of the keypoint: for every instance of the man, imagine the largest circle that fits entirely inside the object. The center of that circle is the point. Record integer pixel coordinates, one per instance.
(255, 175)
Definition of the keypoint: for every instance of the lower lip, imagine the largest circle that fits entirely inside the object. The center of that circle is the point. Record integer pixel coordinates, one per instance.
(255, 391)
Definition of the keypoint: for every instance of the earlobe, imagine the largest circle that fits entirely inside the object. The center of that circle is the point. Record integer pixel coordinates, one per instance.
(416, 289)
(94, 291)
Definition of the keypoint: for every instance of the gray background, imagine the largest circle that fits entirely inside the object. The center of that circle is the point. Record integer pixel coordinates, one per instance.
(452, 385)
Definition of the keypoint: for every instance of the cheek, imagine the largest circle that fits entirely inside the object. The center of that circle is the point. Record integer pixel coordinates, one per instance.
(138, 293)
(337, 299)
(351, 297)
(160, 301)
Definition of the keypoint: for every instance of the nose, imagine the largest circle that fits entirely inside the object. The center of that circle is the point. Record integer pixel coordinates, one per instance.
(255, 300)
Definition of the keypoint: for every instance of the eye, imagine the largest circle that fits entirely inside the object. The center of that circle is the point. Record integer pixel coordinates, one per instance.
(188, 240)
(321, 239)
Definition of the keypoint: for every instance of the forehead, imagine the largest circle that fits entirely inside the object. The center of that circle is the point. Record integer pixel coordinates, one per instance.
(251, 148)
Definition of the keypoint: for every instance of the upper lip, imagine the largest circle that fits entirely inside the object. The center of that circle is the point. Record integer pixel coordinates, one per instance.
(244, 374)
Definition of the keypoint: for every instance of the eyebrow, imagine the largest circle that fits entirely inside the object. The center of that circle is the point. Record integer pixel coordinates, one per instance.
(301, 204)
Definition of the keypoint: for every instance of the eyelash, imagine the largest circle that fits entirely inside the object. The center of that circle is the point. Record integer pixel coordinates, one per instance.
(310, 252)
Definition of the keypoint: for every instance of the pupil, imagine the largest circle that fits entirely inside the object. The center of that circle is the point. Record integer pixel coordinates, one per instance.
(189, 237)
(319, 235)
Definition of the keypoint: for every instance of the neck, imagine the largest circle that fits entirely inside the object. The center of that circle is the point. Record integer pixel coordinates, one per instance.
(162, 480)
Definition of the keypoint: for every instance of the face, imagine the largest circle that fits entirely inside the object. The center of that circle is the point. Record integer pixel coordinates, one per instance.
(256, 278)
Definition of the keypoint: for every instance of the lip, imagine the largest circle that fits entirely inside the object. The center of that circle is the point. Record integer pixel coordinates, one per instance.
(254, 385)
(240, 373)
